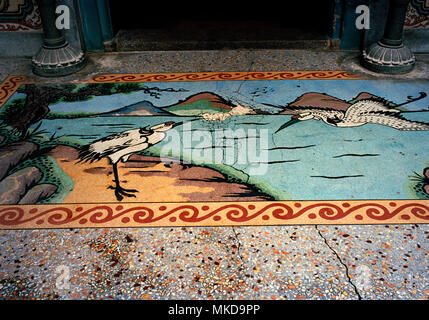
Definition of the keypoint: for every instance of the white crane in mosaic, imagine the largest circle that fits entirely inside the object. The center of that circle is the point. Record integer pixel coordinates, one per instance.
(364, 111)
(120, 146)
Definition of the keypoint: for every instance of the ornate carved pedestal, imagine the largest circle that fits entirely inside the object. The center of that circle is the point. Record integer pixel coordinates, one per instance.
(390, 55)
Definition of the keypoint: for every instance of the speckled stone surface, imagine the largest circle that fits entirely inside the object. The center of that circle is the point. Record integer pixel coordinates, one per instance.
(287, 262)
(279, 262)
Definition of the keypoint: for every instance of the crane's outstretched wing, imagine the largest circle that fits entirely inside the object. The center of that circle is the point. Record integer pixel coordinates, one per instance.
(111, 144)
(373, 111)
(366, 106)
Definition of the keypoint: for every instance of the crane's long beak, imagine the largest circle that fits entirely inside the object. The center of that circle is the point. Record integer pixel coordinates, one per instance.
(289, 123)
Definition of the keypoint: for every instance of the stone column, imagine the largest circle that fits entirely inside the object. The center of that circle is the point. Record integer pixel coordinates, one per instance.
(56, 57)
(390, 55)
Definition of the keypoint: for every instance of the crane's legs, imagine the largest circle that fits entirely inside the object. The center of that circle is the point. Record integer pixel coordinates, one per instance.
(119, 191)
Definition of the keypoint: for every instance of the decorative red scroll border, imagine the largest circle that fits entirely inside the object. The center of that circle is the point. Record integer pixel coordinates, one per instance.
(214, 214)
(224, 76)
(10, 85)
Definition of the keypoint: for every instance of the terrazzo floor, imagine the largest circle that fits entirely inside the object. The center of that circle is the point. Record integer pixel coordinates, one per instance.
(279, 262)
(299, 262)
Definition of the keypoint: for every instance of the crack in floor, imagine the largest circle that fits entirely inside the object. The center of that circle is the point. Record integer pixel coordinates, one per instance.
(339, 259)
(238, 252)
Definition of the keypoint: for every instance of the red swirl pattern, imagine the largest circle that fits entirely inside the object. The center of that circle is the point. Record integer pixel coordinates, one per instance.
(9, 86)
(216, 76)
(241, 213)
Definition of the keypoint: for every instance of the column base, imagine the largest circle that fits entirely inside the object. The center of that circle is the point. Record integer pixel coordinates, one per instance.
(58, 61)
(382, 58)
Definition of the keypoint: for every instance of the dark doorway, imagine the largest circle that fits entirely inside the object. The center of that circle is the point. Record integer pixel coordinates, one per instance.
(220, 24)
